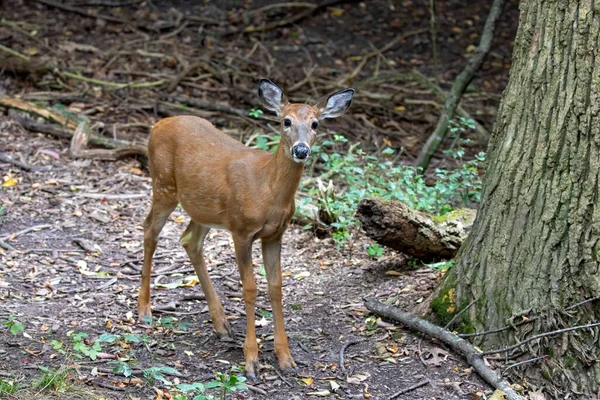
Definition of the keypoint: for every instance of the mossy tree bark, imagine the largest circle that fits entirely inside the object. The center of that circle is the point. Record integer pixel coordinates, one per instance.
(534, 247)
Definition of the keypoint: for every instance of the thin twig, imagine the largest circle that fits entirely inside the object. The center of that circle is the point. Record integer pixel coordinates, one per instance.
(12, 236)
(109, 196)
(449, 324)
(524, 362)
(344, 347)
(14, 53)
(541, 335)
(5, 158)
(408, 389)
(527, 321)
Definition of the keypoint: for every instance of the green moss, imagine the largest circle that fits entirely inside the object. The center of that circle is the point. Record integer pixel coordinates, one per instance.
(444, 305)
(463, 215)
(569, 361)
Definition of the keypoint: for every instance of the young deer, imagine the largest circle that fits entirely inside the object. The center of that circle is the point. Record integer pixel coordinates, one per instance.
(222, 184)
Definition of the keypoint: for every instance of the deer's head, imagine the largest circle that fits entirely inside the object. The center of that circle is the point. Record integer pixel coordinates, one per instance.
(299, 122)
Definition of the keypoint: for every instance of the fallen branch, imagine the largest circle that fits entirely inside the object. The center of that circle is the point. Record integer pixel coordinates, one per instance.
(115, 85)
(60, 132)
(13, 236)
(459, 86)
(408, 389)
(466, 349)
(385, 48)
(292, 20)
(31, 108)
(79, 142)
(439, 92)
(344, 347)
(5, 158)
(212, 106)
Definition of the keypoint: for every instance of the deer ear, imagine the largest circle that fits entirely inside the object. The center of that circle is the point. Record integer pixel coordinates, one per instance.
(271, 96)
(336, 104)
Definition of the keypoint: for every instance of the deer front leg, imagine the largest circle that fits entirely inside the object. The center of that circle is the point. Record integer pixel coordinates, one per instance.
(243, 254)
(271, 250)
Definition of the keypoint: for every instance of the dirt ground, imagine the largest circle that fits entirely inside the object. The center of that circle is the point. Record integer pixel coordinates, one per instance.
(75, 225)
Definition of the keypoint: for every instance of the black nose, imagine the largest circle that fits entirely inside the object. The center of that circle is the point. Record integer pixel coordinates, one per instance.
(300, 151)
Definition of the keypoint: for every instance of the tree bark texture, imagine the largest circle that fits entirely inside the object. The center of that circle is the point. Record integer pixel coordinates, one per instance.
(416, 234)
(534, 247)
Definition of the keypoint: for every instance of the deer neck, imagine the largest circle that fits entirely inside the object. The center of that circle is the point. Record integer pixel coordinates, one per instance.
(284, 176)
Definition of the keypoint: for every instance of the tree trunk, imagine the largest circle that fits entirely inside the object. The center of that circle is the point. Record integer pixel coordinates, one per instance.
(534, 247)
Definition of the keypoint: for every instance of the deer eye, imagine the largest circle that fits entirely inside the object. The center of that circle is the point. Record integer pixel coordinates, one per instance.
(314, 125)
(287, 122)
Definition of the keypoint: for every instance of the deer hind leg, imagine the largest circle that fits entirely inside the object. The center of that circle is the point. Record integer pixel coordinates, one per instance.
(243, 255)
(153, 224)
(193, 242)
(271, 250)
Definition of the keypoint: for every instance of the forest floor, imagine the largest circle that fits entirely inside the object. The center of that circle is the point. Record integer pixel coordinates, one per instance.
(76, 266)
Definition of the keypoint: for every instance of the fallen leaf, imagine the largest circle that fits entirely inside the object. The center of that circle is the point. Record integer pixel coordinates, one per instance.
(9, 182)
(320, 393)
(536, 396)
(334, 386)
(308, 381)
(302, 275)
(498, 395)
(262, 322)
(357, 379)
(399, 108)
(337, 12)
(393, 273)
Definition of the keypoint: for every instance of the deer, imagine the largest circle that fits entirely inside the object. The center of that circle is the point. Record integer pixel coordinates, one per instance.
(222, 184)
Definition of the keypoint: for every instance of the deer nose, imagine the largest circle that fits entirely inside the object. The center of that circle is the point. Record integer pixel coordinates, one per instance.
(300, 151)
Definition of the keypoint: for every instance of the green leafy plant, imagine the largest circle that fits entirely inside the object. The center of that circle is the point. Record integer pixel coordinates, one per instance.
(121, 367)
(53, 379)
(228, 383)
(8, 386)
(375, 250)
(158, 374)
(15, 327)
(255, 112)
(359, 176)
(80, 346)
(441, 266)
(198, 390)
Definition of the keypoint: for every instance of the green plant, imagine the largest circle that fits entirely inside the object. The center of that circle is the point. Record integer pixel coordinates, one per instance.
(228, 383)
(80, 346)
(457, 127)
(255, 113)
(198, 390)
(14, 326)
(8, 386)
(359, 176)
(442, 266)
(375, 250)
(158, 374)
(53, 379)
(121, 367)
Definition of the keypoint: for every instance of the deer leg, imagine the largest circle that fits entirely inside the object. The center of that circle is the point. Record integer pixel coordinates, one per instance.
(272, 258)
(153, 224)
(243, 255)
(193, 242)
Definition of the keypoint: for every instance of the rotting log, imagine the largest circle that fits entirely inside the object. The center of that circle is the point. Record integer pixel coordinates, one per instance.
(416, 234)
